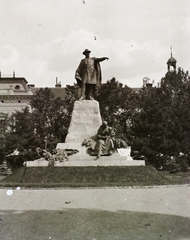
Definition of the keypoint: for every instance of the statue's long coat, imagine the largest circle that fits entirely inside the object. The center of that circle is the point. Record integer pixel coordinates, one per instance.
(89, 71)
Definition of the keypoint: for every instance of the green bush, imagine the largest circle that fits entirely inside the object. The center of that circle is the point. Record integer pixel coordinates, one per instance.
(17, 161)
(184, 164)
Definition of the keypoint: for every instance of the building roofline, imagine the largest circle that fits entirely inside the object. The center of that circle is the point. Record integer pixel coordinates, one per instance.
(13, 79)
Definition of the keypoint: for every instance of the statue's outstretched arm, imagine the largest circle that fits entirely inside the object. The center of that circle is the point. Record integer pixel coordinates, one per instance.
(101, 59)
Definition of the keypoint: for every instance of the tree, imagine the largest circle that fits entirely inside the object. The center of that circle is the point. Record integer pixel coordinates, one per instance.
(176, 88)
(4, 125)
(116, 105)
(20, 137)
(42, 111)
(154, 121)
(161, 123)
(51, 116)
(21, 131)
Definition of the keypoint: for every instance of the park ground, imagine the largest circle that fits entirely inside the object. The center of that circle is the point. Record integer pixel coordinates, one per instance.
(134, 211)
(98, 213)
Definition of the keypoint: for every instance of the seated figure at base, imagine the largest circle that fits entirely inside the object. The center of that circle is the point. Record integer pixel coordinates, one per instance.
(104, 144)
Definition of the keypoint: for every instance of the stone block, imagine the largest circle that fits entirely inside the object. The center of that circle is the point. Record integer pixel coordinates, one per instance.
(85, 121)
(37, 163)
(101, 162)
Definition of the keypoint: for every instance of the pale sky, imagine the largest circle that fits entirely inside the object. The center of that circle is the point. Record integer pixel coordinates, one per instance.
(44, 39)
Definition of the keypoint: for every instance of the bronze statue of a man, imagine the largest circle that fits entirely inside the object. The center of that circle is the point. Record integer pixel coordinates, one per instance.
(88, 75)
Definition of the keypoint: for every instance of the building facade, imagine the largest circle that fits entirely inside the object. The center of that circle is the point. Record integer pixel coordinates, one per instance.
(15, 94)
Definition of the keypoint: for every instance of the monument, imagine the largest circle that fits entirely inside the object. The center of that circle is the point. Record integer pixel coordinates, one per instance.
(86, 120)
(87, 126)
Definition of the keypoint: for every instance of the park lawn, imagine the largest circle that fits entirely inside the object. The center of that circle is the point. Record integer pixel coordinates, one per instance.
(128, 176)
(81, 224)
(178, 178)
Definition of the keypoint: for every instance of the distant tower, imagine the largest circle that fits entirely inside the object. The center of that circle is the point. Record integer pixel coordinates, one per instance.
(171, 62)
(58, 84)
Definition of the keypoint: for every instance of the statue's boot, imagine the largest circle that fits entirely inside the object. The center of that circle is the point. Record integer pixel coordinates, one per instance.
(82, 98)
(89, 92)
(90, 98)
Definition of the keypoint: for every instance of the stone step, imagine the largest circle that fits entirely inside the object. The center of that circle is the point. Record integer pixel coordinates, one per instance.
(102, 161)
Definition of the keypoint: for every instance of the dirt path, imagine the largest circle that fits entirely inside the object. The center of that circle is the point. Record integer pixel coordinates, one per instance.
(164, 200)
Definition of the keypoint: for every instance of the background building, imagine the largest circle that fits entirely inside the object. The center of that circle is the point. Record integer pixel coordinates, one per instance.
(15, 94)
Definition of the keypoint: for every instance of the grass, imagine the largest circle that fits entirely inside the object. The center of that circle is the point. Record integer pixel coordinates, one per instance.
(81, 224)
(92, 177)
(179, 178)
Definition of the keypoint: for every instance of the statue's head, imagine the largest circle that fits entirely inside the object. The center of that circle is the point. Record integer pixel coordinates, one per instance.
(86, 52)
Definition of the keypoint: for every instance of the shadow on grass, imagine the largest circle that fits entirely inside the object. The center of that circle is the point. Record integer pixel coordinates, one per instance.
(91, 224)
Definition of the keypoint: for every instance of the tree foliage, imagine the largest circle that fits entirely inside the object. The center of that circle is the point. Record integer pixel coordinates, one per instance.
(161, 126)
(49, 117)
(44, 111)
(117, 104)
(153, 121)
(19, 137)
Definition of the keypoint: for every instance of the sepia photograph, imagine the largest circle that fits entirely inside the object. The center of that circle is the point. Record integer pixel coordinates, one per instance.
(94, 120)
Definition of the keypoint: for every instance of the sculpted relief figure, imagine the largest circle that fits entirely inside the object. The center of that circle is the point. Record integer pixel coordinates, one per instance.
(104, 144)
(88, 75)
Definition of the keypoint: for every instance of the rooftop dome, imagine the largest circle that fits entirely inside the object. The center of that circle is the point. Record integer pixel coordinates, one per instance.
(171, 60)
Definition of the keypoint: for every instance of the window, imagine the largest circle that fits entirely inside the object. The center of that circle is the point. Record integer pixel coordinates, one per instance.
(17, 87)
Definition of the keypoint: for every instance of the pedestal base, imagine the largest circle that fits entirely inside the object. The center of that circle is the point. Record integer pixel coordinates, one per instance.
(83, 159)
(84, 124)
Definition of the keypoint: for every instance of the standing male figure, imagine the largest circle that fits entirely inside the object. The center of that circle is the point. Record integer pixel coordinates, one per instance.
(88, 75)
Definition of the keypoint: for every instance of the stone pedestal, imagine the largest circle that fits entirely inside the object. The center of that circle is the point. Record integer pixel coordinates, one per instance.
(85, 121)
